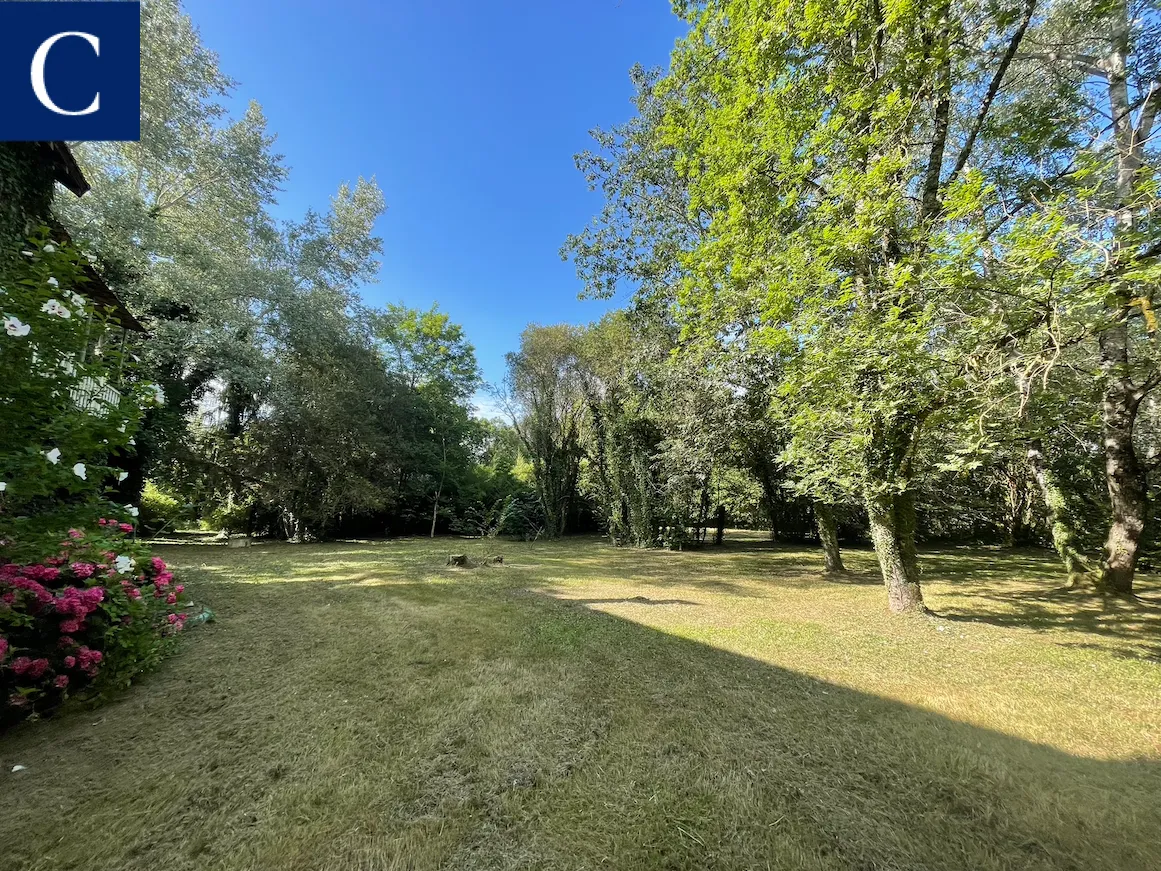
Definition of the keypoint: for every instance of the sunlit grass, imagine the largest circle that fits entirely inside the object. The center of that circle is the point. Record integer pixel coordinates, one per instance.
(364, 706)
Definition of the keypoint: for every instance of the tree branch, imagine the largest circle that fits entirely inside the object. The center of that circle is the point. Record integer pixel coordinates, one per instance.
(993, 90)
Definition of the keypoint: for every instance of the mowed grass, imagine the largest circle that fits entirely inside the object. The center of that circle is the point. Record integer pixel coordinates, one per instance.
(360, 706)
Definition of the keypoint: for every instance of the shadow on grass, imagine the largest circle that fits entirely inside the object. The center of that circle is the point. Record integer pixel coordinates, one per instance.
(415, 725)
(1025, 589)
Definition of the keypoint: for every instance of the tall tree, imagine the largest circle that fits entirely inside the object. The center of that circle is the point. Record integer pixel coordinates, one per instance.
(545, 401)
(831, 147)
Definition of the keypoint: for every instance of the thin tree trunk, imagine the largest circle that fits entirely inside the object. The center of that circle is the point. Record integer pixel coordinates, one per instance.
(435, 509)
(1063, 535)
(828, 535)
(892, 519)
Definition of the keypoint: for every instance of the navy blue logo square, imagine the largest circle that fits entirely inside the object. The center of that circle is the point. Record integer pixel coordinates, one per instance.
(70, 71)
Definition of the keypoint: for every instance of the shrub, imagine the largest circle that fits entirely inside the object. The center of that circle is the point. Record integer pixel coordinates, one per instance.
(87, 619)
(230, 518)
(159, 510)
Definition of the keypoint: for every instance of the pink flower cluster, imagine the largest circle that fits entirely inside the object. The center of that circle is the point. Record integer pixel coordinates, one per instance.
(42, 661)
(33, 668)
(114, 524)
(89, 660)
(22, 579)
(82, 570)
(79, 603)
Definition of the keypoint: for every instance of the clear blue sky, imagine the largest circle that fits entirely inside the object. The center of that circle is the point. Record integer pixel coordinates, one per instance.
(468, 113)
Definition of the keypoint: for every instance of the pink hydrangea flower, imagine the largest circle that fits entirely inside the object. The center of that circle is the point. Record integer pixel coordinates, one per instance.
(158, 564)
(126, 527)
(180, 588)
(38, 667)
(62, 681)
(171, 599)
(134, 593)
(3, 647)
(21, 664)
(89, 659)
(76, 533)
(70, 626)
(70, 661)
(83, 570)
(172, 618)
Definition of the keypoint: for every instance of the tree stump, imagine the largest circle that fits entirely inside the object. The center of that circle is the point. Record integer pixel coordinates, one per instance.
(496, 560)
(457, 559)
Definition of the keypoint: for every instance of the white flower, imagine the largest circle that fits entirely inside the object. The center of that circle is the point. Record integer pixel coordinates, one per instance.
(122, 477)
(53, 307)
(79, 471)
(132, 441)
(123, 564)
(53, 456)
(28, 253)
(75, 298)
(52, 282)
(49, 248)
(132, 509)
(14, 327)
(3, 486)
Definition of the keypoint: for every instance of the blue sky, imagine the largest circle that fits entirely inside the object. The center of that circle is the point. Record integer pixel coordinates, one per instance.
(468, 114)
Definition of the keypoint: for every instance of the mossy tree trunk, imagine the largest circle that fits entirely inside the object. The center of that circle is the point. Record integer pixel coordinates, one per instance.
(1063, 536)
(892, 517)
(824, 518)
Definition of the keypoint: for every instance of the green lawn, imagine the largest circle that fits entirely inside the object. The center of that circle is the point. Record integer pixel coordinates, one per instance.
(360, 706)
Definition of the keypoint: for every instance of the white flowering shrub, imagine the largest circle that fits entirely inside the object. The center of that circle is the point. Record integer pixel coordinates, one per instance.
(68, 399)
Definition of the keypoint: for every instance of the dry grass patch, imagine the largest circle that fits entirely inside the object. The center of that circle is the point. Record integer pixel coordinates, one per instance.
(361, 706)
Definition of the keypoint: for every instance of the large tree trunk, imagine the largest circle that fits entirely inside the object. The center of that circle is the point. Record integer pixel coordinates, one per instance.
(828, 535)
(893, 532)
(1124, 474)
(1063, 535)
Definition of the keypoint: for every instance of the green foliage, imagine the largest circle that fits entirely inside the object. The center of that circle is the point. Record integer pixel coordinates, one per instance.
(162, 511)
(70, 402)
(26, 187)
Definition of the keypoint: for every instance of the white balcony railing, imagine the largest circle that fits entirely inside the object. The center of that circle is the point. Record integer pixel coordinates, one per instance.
(95, 395)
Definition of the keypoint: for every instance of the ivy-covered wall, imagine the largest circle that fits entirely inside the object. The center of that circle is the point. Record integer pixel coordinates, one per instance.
(26, 188)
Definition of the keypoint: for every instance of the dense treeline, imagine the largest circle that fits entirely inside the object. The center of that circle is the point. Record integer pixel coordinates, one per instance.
(906, 256)
(293, 408)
